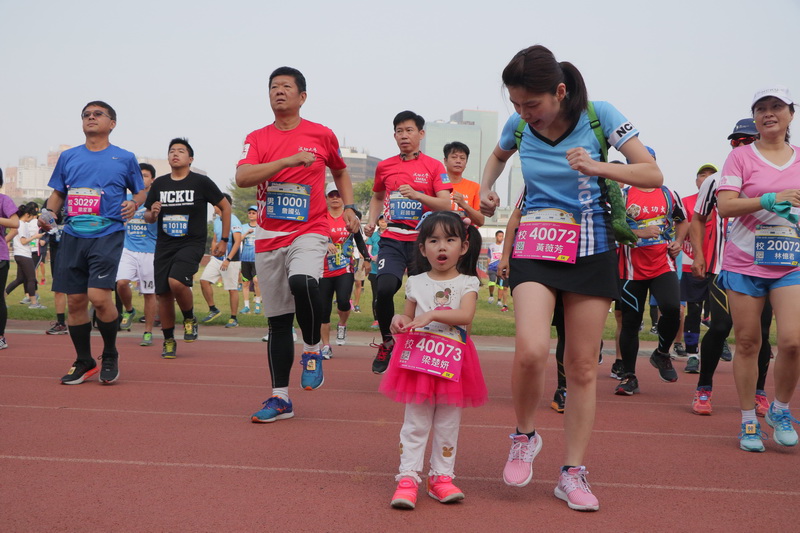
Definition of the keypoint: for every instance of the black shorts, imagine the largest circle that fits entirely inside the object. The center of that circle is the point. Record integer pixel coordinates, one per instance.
(593, 275)
(177, 262)
(248, 270)
(693, 289)
(87, 263)
(395, 257)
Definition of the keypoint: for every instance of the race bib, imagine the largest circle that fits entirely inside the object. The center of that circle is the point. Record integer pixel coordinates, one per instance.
(175, 225)
(548, 234)
(136, 228)
(776, 245)
(402, 208)
(655, 221)
(432, 353)
(288, 201)
(340, 260)
(83, 201)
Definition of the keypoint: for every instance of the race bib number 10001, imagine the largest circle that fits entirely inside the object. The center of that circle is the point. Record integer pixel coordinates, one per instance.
(288, 201)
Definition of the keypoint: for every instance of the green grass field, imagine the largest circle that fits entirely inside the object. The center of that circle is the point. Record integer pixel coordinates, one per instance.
(488, 318)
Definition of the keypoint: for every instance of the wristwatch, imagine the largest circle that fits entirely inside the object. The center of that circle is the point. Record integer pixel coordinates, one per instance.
(350, 206)
(224, 239)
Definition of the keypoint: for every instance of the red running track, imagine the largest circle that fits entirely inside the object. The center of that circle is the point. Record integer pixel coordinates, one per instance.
(170, 447)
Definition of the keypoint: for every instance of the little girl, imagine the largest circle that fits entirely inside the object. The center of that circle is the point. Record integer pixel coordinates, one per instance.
(435, 369)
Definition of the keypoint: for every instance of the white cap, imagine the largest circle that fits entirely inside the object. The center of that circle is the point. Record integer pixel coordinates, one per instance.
(330, 188)
(778, 91)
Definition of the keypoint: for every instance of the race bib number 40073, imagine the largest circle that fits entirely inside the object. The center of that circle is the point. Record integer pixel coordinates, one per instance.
(429, 353)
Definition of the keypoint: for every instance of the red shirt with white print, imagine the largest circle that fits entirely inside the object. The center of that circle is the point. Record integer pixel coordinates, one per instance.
(271, 144)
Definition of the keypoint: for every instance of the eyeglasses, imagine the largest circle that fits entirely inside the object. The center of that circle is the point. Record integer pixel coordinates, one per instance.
(742, 141)
(95, 114)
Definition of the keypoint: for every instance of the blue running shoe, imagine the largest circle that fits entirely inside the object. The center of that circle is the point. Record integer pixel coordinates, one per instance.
(275, 408)
(312, 371)
(781, 421)
(751, 436)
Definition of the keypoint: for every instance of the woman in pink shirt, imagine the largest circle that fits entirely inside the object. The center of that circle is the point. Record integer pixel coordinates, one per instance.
(758, 190)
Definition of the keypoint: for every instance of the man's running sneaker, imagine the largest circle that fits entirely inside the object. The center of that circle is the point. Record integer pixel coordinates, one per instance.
(127, 319)
(275, 408)
(781, 421)
(81, 371)
(628, 386)
(258, 308)
(679, 349)
(147, 339)
(504, 309)
(559, 399)
(3, 343)
(500, 303)
(701, 405)
(490, 300)
(762, 403)
(341, 334)
(663, 363)
(441, 488)
(170, 349)
(574, 489)
(244, 311)
(37, 306)
(692, 365)
(518, 471)
(381, 362)
(211, 316)
(726, 352)
(326, 352)
(25, 301)
(312, 377)
(57, 329)
(654, 330)
(232, 323)
(190, 329)
(618, 369)
(265, 338)
(750, 437)
(405, 497)
(109, 369)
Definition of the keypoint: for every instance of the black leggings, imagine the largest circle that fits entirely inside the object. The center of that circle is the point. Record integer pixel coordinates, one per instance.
(666, 291)
(388, 285)
(373, 283)
(308, 306)
(3, 307)
(25, 274)
(720, 328)
(280, 349)
(342, 286)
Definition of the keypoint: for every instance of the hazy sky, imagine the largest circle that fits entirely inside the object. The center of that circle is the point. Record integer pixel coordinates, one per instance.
(683, 71)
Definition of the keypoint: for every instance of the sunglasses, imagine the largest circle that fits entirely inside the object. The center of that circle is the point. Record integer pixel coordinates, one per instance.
(742, 141)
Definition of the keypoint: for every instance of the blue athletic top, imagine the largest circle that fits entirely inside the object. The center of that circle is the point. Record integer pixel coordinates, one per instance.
(236, 227)
(109, 174)
(551, 183)
(248, 247)
(139, 235)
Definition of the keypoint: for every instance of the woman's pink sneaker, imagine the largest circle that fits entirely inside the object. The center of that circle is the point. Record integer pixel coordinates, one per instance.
(574, 489)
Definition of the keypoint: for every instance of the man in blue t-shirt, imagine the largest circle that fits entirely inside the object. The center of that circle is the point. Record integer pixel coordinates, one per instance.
(136, 264)
(224, 268)
(91, 182)
(248, 256)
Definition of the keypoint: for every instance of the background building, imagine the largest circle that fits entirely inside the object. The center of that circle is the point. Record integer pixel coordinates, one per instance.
(477, 129)
(360, 165)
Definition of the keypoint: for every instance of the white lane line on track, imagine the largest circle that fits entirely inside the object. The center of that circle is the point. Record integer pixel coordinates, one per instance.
(252, 468)
(359, 421)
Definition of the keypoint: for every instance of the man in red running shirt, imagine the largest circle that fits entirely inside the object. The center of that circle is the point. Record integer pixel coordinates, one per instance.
(286, 161)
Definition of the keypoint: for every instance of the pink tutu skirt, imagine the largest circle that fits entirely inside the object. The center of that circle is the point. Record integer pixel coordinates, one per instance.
(410, 386)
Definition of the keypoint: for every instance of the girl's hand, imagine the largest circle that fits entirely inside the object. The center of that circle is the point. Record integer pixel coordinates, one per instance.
(580, 160)
(420, 321)
(398, 324)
